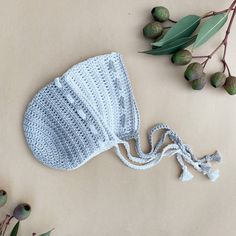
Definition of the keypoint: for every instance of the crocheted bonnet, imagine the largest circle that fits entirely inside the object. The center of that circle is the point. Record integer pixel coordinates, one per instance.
(90, 109)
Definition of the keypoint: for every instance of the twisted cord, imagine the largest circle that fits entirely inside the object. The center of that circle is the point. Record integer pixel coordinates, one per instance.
(177, 148)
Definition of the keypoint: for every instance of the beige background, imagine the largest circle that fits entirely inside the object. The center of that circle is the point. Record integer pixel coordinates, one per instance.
(39, 40)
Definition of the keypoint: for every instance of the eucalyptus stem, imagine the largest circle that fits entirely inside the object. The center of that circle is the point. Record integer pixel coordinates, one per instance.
(6, 225)
(3, 224)
(200, 57)
(224, 42)
(232, 5)
(172, 21)
(213, 13)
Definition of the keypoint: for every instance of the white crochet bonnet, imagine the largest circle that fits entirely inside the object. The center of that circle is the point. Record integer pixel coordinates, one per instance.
(91, 109)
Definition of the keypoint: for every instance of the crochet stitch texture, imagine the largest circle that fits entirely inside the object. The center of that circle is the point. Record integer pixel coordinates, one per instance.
(90, 109)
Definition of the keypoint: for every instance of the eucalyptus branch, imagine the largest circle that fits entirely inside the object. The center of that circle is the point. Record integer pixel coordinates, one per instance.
(213, 13)
(224, 42)
(20, 213)
(181, 35)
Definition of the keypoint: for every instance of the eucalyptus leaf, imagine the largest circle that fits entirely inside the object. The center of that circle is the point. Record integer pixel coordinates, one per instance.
(173, 46)
(209, 28)
(47, 233)
(183, 28)
(15, 229)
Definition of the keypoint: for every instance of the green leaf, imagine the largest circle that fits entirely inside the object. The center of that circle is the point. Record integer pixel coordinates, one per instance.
(209, 28)
(183, 28)
(173, 46)
(15, 229)
(47, 234)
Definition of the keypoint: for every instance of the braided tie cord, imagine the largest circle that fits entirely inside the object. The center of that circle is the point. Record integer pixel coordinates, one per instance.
(177, 148)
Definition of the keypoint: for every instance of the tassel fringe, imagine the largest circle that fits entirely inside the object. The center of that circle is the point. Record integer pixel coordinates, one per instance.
(177, 148)
(186, 175)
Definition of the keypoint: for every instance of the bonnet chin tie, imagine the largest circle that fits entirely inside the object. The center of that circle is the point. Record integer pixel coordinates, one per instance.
(90, 109)
(177, 148)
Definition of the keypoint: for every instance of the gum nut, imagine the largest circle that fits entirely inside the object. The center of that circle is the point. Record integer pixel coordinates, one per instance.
(3, 197)
(22, 211)
(218, 79)
(193, 71)
(230, 85)
(182, 57)
(152, 30)
(199, 84)
(160, 14)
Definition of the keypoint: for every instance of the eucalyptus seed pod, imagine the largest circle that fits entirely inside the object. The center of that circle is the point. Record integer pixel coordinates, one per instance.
(199, 84)
(218, 79)
(22, 211)
(3, 197)
(194, 71)
(160, 13)
(230, 85)
(152, 30)
(182, 57)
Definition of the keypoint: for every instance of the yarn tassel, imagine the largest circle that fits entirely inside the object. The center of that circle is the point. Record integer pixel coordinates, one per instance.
(213, 175)
(185, 175)
(214, 157)
(177, 148)
(205, 167)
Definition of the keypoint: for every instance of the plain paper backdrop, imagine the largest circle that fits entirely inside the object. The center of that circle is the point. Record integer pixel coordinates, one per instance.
(40, 40)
